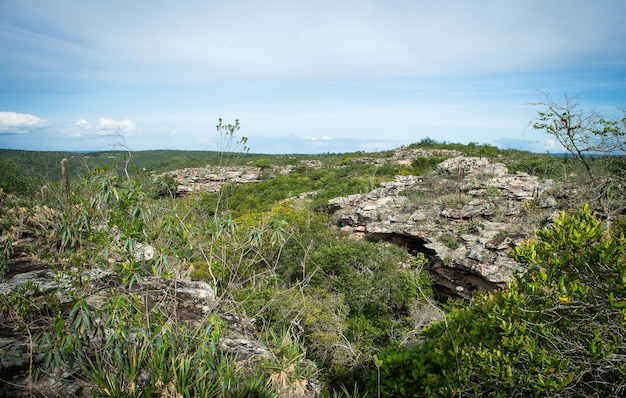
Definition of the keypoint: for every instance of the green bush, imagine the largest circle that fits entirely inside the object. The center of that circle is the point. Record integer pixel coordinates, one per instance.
(556, 331)
(14, 182)
(425, 164)
(451, 241)
(262, 163)
(165, 186)
(471, 149)
(542, 166)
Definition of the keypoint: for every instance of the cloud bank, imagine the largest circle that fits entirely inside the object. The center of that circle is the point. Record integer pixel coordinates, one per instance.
(104, 127)
(205, 41)
(19, 123)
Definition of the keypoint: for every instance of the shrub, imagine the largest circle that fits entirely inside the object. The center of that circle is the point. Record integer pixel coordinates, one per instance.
(14, 182)
(262, 163)
(451, 241)
(425, 164)
(165, 186)
(556, 331)
(540, 166)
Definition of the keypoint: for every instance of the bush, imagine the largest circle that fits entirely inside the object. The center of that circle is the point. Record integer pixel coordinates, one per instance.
(557, 331)
(540, 166)
(165, 186)
(262, 163)
(13, 182)
(425, 164)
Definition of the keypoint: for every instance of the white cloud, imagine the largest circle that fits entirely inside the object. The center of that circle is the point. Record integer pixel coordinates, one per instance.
(124, 126)
(19, 123)
(208, 41)
(553, 145)
(105, 126)
(322, 138)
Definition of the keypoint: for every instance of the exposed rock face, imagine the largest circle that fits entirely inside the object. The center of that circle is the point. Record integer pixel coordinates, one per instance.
(406, 157)
(466, 217)
(212, 178)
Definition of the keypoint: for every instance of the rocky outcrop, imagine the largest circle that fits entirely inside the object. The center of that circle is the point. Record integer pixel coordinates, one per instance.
(188, 302)
(466, 217)
(403, 156)
(212, 178)
(407, 156)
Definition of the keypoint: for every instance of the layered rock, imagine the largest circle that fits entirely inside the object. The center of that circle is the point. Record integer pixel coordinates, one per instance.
(212, 178)
(466, 217)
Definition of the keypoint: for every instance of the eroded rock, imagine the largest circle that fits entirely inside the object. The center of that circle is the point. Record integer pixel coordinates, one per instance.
(468, 234)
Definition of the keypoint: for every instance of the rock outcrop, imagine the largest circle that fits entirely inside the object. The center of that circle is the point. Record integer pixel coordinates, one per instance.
(465, 217)
(212, 178)
(188, 302)
(403, 156)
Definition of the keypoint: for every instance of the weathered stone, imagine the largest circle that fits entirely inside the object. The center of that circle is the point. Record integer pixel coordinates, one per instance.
(475, 208)
(244, 348)
(487, 226)
(212, 178)
(143, 252)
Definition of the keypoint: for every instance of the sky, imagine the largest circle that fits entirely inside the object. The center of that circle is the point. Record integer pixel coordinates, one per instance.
(301, 76)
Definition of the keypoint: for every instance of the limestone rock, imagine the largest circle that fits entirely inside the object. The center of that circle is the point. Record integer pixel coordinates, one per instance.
(468, 245)
(143, 252)
(212, 178)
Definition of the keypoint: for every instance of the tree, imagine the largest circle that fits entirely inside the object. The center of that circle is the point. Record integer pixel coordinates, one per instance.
(582, 132)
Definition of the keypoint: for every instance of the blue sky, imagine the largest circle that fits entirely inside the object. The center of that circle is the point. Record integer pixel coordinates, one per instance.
(301, 76)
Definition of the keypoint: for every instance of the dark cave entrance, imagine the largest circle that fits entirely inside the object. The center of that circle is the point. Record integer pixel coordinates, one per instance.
(448, 282)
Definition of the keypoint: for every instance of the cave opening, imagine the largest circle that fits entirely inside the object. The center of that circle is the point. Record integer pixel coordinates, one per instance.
(448, 282)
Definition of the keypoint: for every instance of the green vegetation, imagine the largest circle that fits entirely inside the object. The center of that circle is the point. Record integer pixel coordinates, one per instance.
(424, 165)
(340, 310)
(450, 241)
(557, 331)
(471, 149)
(541, 166)
(323, 304)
